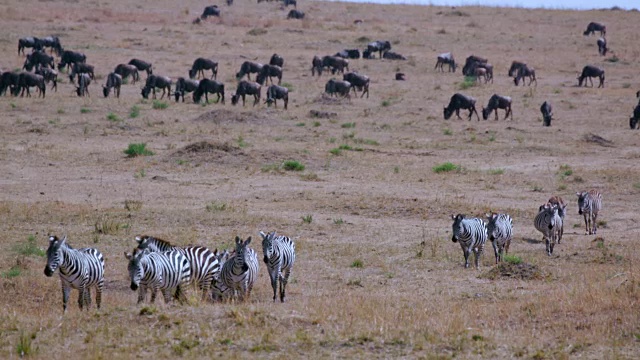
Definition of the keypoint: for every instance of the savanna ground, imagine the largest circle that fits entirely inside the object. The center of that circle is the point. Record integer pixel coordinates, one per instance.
(377, 275)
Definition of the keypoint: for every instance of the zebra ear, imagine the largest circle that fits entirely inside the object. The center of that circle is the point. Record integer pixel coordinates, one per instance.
(138, 239)
(238, 241)
(453, 217)
(127, 255)
(264, 236)
(53, 238)
(64, 239)
(248, 241)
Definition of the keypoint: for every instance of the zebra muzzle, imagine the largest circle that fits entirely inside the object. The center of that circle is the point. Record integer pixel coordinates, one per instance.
(265, 259)
(453, 238)
(134, 286)
(47, 271)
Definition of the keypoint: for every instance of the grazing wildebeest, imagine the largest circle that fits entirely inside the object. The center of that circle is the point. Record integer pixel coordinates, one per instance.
(335, 87)
(316, 66)
(248, 68)
(53, 43)
(28, 42)
(83, 84)
(68, 58)
(515, 65)
(81, 68)
(142, 65)
(368, 54)
(27, 80)
(49, 75)
(633, 121)
(459, 101)
(523, 73)
(155, 81)
(126, 70)
(184, 86)
(202, 64)
(38, 59)
(291, 2)
(379, 46)
(479, 73)
(212, 10)
(9, 80)
(589, 72)
(114, 81)
(295, 14)
(335, 63)
(348, 54)
(593, 27)
(390, 55)
(446, 58)
(488, 70)
(207, 86)
(400, 76)
(470, 64)
(275, 92)
(276, 60)
(247, 88)
(359, 81)
(547, 113)
(268, 72)
(498, 102)
(602, 46)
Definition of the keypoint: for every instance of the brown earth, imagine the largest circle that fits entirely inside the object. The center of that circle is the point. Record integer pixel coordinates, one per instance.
(376, 274)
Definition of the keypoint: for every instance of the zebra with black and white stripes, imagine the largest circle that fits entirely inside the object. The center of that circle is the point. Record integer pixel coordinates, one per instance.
(167, 271)
(80, 269)
(549, 223)
(472, 235)
(589, 204)
(500, 231)
(204, 265)
(279, 255)
(240, 272)
(218, 290)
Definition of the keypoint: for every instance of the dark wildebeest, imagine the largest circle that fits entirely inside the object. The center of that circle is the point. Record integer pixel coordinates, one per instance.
(459, 101)
(316, 66)
(9, 80)
(184, 86)
(589, 72)
(212, 10)
(268, 72)
(142, 65)
(593, 27)
(348, 54)
(359, 81)
(207, 86)
(335, 87)
(523, 73)
(276, 60)
(28, 42)
(367, 54)
(38, 59)
(515, 65)
(470, 64)
(479, 73)
(633, 121)
(390, 55)
(291, 2)
(53, 43)
(126, 70)
(81, 68)
(68, 58)
(498, 102)
(295, 14)
(547, 113)
(83, 84)
(27, 80)
(49, 75)
(400, 76)
(602, 46)
(248, 68)
(247, 88)
(155, 81)
(446, 58)
(379, 46)
(335, 63)
(202, 64)
(114, 81)
(275, 92)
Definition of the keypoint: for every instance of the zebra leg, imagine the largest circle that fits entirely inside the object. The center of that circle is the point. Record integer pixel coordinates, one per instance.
(496, 250)
(142, 293)
(273, 274)
(283, 283)
(166, 293)
(586, 223)
(594, 222)
(466, 257)
(65, 296)
(99, 294)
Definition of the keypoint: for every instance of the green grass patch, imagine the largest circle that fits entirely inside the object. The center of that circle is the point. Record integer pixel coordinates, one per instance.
(469, 81)
(445, 167)
(357, 264)
(512, 259)
(13, 272)
(307, 219)
(113, 117)
(292, 165)
(29, 248)
(496, 171)
(134, 112)
(349, 125)
(338, 221)
(84, 110)
(139, 149)
(447, 132)
(160, 105)
(288, 86)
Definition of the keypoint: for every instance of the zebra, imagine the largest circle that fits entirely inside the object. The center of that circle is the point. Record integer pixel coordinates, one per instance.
(500, 231)
(548, 222)
(79, 269)
(562, 211)
(279, 255)
(472, 235)
(204, 265)
(239, 273)
(218, 290)
(589, 204)
(164, 271)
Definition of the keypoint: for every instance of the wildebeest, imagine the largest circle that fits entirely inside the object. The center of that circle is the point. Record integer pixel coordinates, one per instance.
(459, 101)
(316, 66)
(28, 42)
(68, 58)
(27, 80)
(359, 81)
(38, 59)
(207, 86)
(155, 81)
(212, 10)
(348, 54)
(248, 68)
(9, 80)
(114, 81)
(367, 54)
(202, 64)
(336, 64)
(291, 2)
(337, 87)
(275, 92)
(81, 68)
(276, 60)
(446, 58)
(400, 76)
(390, 55)
(142, 65)
(184, 86)
(524, 72)
(126, 70)
(589, 72)
(633, 121)
(295, 14)
(470, 63)
(83, 84)
(547, 113)
(498, 102)
(49, 75)
(602, 46)
(515, 65)
(247, 88)
(268, 72)
(593, 27)
(379, 46)
(53, 43)
(479, 73)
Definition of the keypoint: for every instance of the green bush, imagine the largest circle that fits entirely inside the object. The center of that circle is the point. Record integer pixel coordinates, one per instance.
(138, 150)
(445, 167)
(134, 112)
(160, 105)
(293, 165)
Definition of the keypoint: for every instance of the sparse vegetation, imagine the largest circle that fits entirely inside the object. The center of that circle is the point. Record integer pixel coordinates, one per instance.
(160, 105)
(138, 149)
(307, 219)
(215, 206)
(113, 117)
(357, 264)
(469, 81)
(134, 112)
(29, 248)
(445, 167)
(292, 165)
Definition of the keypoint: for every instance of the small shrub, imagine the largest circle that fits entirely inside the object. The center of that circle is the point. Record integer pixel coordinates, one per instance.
(338, 221)
(132, 205)
(288, 86)
(301, 124)
(447, 132)
(216, 206)
(469, 81)
(293, 165)
(357, 264)
(106, 226)
(512, 259)
(84, 110)
(537, 188)
(29, 248)
(60, 111)
(139, 149)
(113, 117)
(385, 103)
(134, 112)
(307, 219)
(316, 124)
(445, 167)
(349, 125)
(23, 348)
(636, 185)
(159, 105)
(335, 151)
(613, 59)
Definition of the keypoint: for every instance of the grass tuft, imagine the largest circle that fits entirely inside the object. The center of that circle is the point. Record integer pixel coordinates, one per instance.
(139, 149)
(134, 112)
(445, 167)
(292, 165)
(29, 248)
(160, 105)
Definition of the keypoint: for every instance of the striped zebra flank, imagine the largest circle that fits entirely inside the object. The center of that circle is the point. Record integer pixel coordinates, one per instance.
(548, 222)
(471, 234)
(500, 231)
(279, 255)
(80, 269)
(204, 265)
(562, 211)
(167, 271)
(589, 205)
(240, 272)
(219, 291)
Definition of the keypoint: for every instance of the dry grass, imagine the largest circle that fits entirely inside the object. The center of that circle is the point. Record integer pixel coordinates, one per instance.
(376, 275)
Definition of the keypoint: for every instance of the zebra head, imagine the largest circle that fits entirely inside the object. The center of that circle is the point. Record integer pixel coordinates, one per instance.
(241, 252)
(457, 226)
(491, 225)
(54, 254)
(135, 268)
(581, 202)
(267, 245)
(144, 241)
